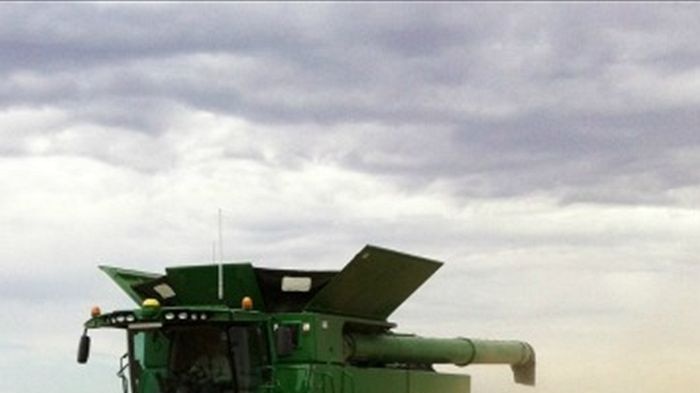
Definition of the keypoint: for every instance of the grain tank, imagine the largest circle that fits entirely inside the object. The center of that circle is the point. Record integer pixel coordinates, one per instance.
(235, 328)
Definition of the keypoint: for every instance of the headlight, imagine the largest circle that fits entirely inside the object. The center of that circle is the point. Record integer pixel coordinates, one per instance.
(169, 316)
(182, 315)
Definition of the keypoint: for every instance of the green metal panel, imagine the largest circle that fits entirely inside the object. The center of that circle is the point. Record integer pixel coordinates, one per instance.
(325, 379)
(305, 351)
(198, 285)
(376, 380)
(126, 279)
(373, 284)
(329, 338)
(293, 378)
(430, 382)
(323, 340)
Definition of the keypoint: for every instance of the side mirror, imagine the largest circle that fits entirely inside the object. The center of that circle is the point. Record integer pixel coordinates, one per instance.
(286, 340)
(84, 348)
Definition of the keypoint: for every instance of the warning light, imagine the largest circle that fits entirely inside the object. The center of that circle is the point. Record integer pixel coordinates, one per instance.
(247, 303)
(151, 303)
(95, 312)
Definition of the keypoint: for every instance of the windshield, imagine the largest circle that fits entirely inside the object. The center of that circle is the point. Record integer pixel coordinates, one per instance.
(199, 359)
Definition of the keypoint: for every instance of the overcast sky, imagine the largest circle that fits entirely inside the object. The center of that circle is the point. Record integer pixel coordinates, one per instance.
(547, 153)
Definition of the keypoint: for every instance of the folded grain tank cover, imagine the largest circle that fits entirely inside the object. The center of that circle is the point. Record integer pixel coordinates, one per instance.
(127, 279)
(374, 284)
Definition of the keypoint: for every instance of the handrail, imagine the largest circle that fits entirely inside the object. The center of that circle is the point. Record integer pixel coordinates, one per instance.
(123, 365)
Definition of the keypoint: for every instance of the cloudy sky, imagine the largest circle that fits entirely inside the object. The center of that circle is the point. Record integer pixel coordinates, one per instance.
(548, 154)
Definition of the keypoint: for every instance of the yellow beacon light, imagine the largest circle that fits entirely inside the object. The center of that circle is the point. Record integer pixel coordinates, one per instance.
(151, 303)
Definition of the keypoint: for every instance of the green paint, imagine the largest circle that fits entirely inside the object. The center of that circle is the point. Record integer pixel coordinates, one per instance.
(126, 279)
(373, 284)
(198, 285)
(335, 339)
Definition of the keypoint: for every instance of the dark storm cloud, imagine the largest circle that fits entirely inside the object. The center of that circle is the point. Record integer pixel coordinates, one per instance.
(67, 35)
(575, 100)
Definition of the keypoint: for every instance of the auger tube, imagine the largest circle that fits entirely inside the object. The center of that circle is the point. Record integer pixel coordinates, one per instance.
(458, 351)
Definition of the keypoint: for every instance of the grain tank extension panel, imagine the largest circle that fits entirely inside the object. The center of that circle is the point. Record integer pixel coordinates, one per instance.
(127, 279)
(374, 284)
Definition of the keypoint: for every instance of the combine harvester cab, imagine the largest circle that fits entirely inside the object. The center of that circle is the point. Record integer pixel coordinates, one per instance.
(235, 328)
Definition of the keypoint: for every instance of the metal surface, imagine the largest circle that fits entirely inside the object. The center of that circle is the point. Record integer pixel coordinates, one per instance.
(126, 279)
(198, 285)
(458, 351)
(374, 284)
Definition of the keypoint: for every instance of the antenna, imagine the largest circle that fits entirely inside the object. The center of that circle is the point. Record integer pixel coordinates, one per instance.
(221, 239)
(221, 260)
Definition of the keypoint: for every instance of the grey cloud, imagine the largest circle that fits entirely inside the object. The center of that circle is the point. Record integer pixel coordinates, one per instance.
(345, 54)
(571, 155)
(508, 100)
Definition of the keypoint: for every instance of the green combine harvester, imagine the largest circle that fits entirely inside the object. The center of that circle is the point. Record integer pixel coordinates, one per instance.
(235, 328)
